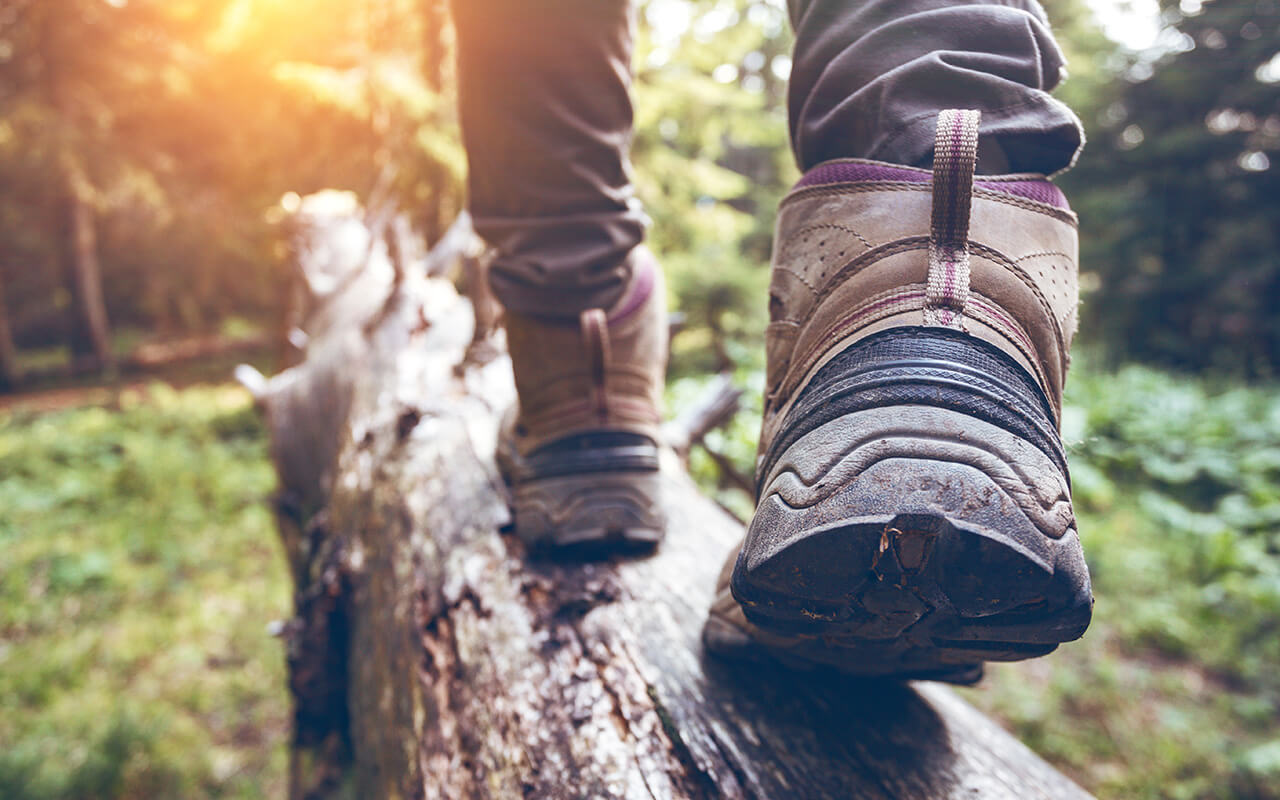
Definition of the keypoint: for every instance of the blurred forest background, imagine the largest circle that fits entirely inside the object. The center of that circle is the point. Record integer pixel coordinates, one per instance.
(151, 150)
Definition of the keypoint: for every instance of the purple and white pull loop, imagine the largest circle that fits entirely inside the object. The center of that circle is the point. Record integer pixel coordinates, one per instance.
(954, 153)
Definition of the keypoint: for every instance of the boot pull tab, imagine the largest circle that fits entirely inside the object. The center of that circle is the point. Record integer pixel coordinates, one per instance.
(955, 151)
(595, 339)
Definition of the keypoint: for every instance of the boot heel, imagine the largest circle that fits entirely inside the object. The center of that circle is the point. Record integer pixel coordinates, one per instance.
(618, 510)
(913, 538)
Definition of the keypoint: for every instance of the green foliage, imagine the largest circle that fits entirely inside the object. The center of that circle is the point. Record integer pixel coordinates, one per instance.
(735, 441)
(140, 570)
(1202, 467)
(1178, 195)
(1090, 58)
(712, 161)
(1173, 692)
(185, 123)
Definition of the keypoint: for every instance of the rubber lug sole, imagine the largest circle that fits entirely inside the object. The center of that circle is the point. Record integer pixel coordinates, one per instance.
(590, 513)
(895, 554)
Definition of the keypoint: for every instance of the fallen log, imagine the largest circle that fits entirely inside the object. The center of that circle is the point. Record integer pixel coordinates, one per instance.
(430, 657)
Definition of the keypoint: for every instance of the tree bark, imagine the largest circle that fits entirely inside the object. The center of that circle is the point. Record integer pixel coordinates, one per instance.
(431, 658)
(90, 331)
(75, 226)
(10, 372)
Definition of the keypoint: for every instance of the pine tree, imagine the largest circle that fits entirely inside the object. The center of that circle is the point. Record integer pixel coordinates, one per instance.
(1179, 195)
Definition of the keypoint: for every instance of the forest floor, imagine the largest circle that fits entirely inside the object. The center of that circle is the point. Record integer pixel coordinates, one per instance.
(51, 380)
(142, 570)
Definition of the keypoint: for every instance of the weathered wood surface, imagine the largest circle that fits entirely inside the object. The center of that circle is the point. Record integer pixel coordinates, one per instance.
(430, 658)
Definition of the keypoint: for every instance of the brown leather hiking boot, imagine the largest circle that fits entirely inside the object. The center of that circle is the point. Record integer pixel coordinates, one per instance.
(913, 514)
(581, 454)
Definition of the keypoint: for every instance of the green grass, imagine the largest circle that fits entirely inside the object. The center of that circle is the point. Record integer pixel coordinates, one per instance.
(1175, 690)
(123, 341)
(141, 568)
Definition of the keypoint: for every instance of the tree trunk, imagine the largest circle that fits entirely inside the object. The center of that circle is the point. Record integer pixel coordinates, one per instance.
(90, 332)
(75, 225)
(10, 373)
(431, 658)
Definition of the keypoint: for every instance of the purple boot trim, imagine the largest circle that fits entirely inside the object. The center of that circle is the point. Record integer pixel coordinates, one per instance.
(643, 279)
(1038, 189)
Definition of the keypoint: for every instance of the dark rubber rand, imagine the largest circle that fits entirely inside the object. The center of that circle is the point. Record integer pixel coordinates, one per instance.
(923, 366)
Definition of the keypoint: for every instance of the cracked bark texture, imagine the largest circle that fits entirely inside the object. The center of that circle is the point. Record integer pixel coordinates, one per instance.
(431, 659)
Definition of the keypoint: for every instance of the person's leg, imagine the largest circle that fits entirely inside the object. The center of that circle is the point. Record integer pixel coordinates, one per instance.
(546, 121)
(913, 514)
(869, 78)
(544, 98)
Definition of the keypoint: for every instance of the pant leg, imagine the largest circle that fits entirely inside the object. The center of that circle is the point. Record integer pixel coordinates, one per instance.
(544, 98)
(869, 77)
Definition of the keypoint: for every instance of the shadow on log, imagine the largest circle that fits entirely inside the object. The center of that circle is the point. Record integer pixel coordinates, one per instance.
(430, 658)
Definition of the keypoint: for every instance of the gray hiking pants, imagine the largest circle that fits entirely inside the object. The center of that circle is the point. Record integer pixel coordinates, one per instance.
(546, 117)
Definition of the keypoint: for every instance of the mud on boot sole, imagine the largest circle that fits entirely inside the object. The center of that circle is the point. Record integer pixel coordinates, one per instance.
(914, 540)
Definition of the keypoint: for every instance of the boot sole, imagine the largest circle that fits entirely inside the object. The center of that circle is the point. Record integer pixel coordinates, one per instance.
(914, 541)
(616, 510)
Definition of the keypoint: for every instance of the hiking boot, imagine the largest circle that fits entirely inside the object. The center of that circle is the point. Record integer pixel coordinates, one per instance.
(913, 512)
(581, 452)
